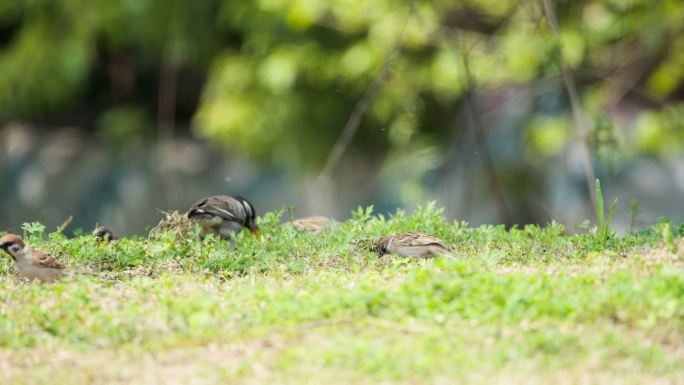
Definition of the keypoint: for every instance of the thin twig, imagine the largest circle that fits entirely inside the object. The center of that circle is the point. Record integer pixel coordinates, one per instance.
(168, 79)
(167, 100)
(354, 121)
(481, 141)
(578, 116)
(64, 224)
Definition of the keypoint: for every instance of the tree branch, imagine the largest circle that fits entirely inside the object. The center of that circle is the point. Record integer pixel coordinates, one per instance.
(578, 116)
(481, 141)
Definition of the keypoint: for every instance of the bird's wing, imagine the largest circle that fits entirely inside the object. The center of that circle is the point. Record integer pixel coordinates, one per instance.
(419, 239)
(45, 260)
(222, 206)
(315, 223)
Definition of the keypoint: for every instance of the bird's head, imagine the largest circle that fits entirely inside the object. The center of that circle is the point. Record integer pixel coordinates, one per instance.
(380, 246)
(12, 244)
(250, 221)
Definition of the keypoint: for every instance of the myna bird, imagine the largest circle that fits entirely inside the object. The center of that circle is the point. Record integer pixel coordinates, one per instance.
(224, 215)
(104, 233)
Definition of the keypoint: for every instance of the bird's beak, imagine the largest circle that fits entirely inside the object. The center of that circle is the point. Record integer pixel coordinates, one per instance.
(4, 246)
(256, 232)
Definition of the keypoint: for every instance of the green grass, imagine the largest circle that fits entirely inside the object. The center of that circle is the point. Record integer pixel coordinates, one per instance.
(531, 305)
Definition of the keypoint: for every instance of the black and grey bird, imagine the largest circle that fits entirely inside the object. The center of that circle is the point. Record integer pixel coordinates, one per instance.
(104, 233)
(224, 215)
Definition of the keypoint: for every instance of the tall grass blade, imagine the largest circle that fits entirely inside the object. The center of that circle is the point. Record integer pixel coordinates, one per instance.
(599, 204)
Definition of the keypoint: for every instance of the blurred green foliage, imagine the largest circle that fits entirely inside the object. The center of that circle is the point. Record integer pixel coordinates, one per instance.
(281, 77)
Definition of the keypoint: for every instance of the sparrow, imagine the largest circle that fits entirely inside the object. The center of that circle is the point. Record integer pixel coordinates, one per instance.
(412, 244)
(32, 264)
(314, 224)
(224, 215)
(104, 233)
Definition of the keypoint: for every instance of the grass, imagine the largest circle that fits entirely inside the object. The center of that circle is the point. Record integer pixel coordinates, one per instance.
(530, 305)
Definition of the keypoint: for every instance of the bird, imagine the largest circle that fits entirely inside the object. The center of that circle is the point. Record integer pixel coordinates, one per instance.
(412, 244)
(32, 264)
(224, 215)
(314, 224)
(104, 233)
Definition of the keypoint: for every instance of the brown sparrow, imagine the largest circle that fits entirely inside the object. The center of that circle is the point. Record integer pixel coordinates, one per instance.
(224, 215)
(32, 264)
(415, 245)
(314, 224)
(104, 233)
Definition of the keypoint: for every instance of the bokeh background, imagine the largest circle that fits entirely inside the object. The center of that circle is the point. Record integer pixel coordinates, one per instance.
(501, 111)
